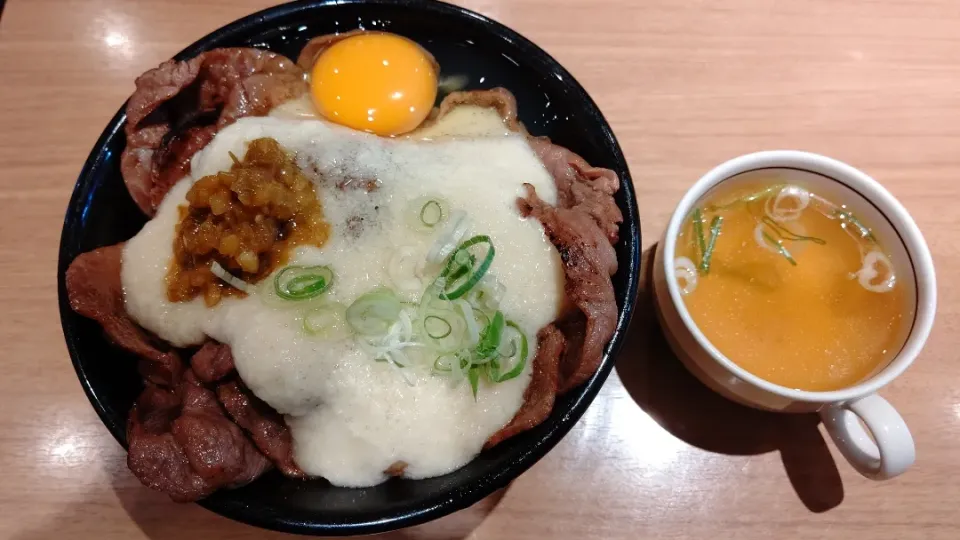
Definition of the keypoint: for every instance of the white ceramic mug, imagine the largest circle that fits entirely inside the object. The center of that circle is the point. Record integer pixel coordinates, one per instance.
(888, 449)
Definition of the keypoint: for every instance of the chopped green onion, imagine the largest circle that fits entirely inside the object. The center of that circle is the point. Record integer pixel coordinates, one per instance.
(448, 237)
(473, 375)
(715, 225)
(234, 158)
(374, 312)
(698, 231)
(479, 361)
(509, 352)
(432, 331)
(229, 278)
(328, 321)
(482, 317)
(440, 327)
(455, 287)
(426, 214)
(457, 316)
(455, 364)
(487, 294)
(440, 366)
(462, 264)
(302, 282)
(493, 369)
(780, 248)
(431, 213)
(848, 217)
(470, 320)
(787, 234)
(490, 337)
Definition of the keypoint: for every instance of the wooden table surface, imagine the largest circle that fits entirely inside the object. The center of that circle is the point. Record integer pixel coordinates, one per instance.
(685, 85)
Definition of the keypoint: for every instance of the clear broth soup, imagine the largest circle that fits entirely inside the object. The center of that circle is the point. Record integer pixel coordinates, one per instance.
(796, 279)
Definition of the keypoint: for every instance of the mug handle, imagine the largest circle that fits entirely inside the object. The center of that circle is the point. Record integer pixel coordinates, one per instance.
(888, 453)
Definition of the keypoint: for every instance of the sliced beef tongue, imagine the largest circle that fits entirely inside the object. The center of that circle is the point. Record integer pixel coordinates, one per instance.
(584, 227)
(587, 268)
(178, 107)
(155, 457)
(247, 82)
(588, 189)
(265, 425)
(94, 290)
(216, 448)
(182, 444)
(212, 362)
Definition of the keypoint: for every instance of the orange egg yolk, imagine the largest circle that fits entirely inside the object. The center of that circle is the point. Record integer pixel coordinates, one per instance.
(376, 82)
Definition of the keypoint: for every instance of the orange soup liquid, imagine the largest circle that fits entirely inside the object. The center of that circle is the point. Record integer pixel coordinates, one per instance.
(810, 325)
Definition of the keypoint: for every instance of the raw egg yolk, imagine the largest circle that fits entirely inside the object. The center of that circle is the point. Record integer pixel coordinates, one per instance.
(376, 82)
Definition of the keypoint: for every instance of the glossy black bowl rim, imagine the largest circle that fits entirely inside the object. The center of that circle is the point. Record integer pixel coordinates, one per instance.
(464, 495)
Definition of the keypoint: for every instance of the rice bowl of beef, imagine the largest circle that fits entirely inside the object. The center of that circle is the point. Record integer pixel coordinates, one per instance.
(246, 364)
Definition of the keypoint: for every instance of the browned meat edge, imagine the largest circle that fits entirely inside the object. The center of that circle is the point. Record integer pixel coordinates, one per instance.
(94, 290)
(178, 107)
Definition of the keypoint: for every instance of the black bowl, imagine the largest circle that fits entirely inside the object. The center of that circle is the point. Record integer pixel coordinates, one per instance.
(550, 102)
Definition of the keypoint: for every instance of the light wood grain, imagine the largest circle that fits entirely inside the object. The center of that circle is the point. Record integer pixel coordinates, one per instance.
(686, 85)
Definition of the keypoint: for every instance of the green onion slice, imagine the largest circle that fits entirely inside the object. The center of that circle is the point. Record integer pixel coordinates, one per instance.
(462, 262)
(715, 225)
(473, 375)
(444, 363)
(454, 365)
(512, 335)
(482, 317)
(848, 217)
(436, 327)
(698, 231)
(434, 315)
(302, 282)
(374, 312)
(508, 349)
(487, 294)
(327, 322)
(781, 249)
(431, 213)
(454, 280)
(787, 234)
(426, 214)
(490, 337)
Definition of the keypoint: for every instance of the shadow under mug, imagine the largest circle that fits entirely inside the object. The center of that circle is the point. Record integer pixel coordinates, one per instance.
(868, 431)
